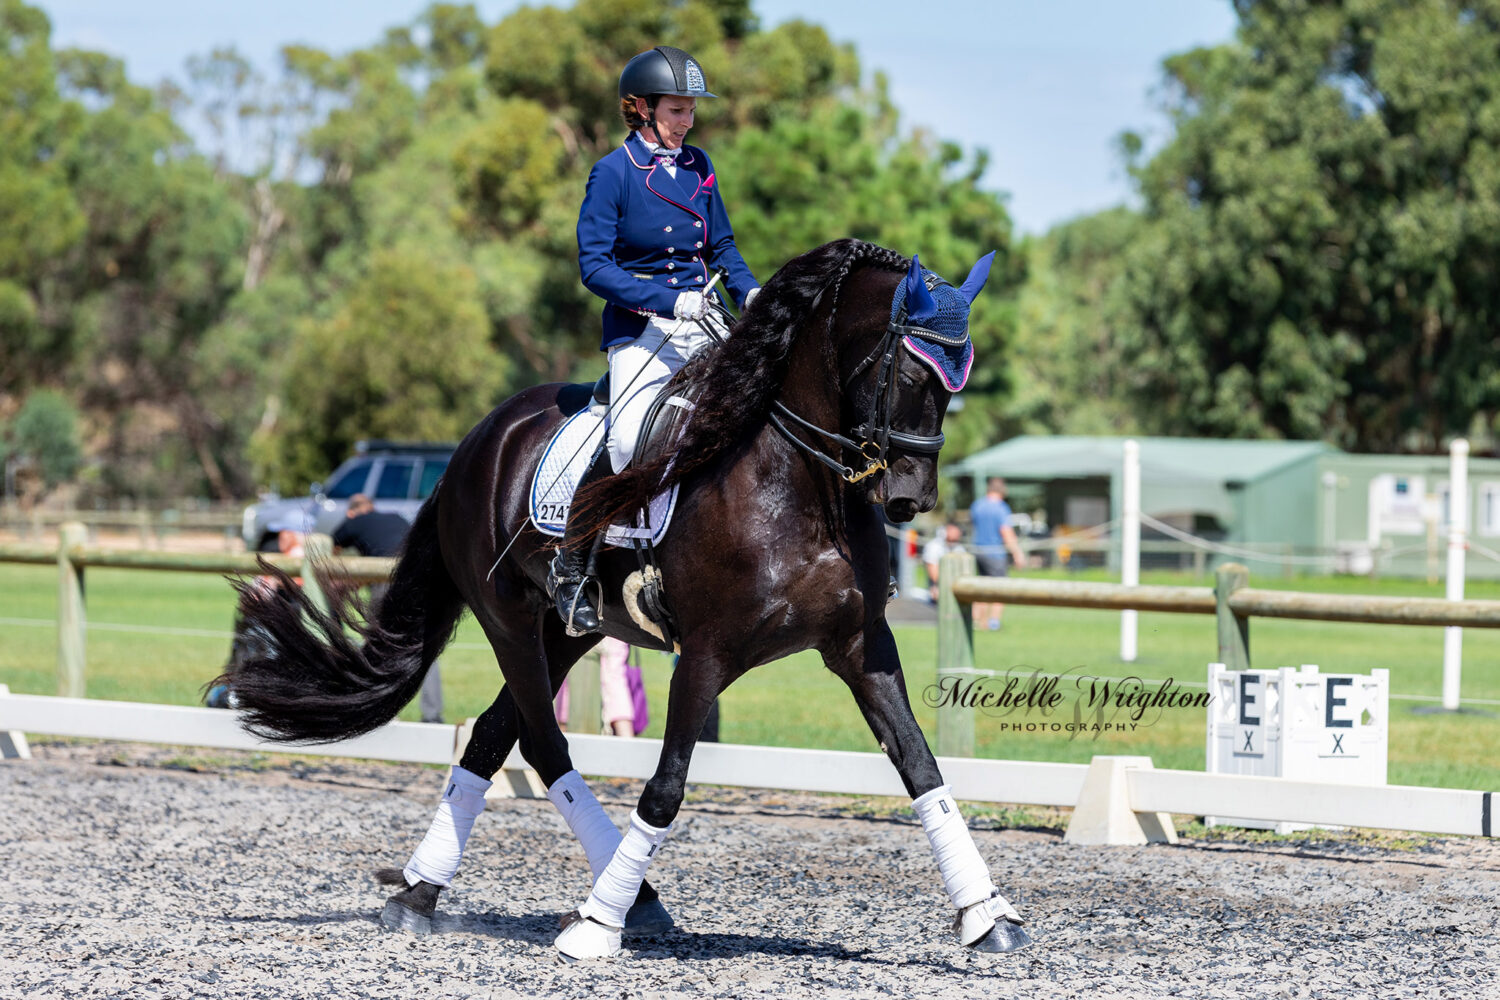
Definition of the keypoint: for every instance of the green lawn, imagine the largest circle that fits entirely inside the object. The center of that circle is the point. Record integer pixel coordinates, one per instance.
(795, 702)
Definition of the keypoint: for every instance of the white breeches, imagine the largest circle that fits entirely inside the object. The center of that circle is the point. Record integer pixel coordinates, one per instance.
(637, 372)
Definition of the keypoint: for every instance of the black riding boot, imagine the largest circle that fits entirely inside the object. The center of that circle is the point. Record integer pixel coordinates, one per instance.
(570, 581)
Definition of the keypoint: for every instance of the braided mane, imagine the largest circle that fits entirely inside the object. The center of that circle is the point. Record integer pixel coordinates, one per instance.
(736, 382)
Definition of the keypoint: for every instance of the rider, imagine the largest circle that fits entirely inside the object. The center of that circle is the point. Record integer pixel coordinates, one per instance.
(650, 234)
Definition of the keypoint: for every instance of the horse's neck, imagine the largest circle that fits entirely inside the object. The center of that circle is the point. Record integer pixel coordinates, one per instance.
(811, 386)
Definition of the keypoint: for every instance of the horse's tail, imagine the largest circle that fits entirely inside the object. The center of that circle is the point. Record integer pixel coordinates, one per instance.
(309, 680)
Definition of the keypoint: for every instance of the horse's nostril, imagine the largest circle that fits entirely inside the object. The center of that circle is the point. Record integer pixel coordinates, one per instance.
(901, 509)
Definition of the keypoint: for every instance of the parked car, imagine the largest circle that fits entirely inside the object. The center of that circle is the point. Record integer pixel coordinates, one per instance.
(396, 475)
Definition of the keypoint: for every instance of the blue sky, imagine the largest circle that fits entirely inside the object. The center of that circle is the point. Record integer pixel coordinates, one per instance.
(1045, 87)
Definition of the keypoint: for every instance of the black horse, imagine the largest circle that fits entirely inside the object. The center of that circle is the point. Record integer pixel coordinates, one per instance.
(776, 546)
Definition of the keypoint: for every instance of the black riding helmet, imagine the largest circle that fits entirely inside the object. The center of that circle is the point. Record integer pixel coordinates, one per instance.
(663, 70)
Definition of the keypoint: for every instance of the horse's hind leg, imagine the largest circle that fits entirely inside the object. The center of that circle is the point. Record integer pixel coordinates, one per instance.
(436, 859)
(869, 664)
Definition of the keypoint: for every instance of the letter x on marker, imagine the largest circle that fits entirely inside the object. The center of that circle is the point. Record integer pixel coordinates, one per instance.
(1338, 743)
(1249, 734)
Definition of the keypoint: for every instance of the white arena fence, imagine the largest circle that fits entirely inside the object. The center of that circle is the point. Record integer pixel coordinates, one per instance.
(1116, 800)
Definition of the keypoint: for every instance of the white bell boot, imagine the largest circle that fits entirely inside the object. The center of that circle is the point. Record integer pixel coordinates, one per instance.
(596, 934)
(986, 920)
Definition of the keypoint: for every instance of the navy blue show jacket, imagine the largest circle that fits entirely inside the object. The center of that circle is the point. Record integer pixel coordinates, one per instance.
(645, 236)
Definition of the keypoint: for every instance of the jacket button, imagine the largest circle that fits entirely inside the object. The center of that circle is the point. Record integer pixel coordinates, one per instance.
(671, 281)
(698, 245)
(698, 225)
(667, 230)
(673, 249)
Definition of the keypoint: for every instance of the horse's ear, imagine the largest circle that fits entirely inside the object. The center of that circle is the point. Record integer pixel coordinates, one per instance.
(920, 305)
(977, 277)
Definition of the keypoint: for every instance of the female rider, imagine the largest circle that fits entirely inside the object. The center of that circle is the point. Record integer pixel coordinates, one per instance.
(650, 234)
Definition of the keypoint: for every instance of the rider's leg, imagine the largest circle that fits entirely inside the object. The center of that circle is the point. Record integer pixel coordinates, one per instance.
(570, 566)
(637, 372)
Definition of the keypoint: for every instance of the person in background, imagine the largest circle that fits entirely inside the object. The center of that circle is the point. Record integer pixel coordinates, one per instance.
(993, 539)
(942, 543)
(617, 710)
(379, 533)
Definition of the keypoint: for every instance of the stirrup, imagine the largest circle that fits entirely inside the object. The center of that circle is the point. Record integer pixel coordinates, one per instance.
(572, 603)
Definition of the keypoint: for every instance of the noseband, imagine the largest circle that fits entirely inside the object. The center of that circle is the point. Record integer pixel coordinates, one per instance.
(876, 437)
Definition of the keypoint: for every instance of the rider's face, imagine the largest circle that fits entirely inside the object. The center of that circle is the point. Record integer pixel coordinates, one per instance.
(674, 116)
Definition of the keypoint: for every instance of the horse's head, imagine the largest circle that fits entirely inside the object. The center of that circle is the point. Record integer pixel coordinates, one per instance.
(896, 395)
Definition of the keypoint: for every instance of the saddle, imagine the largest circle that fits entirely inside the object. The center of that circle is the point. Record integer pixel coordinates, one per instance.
(578, 443)
(575, 446)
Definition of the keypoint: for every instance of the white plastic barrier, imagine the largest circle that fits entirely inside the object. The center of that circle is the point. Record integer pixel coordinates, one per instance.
(1296, 724)
(1116, 800)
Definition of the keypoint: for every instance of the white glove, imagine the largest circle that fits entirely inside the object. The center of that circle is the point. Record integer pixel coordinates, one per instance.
(690, 305)
(750, 297)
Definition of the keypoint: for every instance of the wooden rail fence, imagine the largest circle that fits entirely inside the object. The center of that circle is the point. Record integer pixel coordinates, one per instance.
(1230, 600)
(72, 556)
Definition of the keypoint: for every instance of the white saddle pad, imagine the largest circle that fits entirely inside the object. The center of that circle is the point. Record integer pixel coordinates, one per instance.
(563, 464)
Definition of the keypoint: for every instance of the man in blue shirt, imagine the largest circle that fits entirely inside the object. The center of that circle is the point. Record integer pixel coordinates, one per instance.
(993, 538)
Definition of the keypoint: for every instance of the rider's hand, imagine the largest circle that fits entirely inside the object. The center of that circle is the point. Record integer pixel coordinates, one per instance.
(749, 297)
(690, 305)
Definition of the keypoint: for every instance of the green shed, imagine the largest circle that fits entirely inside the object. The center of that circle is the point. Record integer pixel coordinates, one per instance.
(1226, 491)
(1332, 511)
(1390, 513)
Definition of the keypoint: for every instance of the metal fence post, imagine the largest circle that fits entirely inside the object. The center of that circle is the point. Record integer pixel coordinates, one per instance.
(71, 617)
(1234, 630)
(955, 659)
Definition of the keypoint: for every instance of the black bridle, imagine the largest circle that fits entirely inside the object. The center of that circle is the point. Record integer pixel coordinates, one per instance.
(875, 434)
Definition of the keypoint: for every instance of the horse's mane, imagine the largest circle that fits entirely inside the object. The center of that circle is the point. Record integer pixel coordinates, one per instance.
(734, 383)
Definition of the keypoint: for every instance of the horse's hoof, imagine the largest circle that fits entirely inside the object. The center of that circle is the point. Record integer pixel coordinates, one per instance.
(647, 918)
(583, 938)
(1004, 936)
(400, 917)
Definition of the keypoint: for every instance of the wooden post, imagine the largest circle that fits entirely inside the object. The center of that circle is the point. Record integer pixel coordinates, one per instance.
(955, 658)
(585, 702)
(71, 618)
(317, 550)
(1234, 630)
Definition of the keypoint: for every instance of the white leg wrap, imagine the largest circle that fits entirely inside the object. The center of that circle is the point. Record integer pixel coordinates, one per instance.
(965, 875)
(615, 889)
(437, 856)
(586, 818)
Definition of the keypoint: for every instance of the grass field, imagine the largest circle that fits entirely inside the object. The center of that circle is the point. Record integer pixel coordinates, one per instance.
(157, 637)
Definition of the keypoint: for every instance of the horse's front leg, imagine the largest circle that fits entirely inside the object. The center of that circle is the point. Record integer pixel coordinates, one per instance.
(869, 664)
(593, 930)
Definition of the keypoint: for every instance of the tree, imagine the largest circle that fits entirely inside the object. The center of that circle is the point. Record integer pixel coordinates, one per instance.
(1319, 253)
(43, 222)
(1066, 362)
(45, 434)
(404, 356)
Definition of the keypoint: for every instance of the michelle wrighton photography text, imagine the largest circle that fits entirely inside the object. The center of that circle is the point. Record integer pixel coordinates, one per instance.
(1027, 700)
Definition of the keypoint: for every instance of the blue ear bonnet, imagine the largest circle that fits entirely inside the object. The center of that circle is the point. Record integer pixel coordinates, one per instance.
(934, 320)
